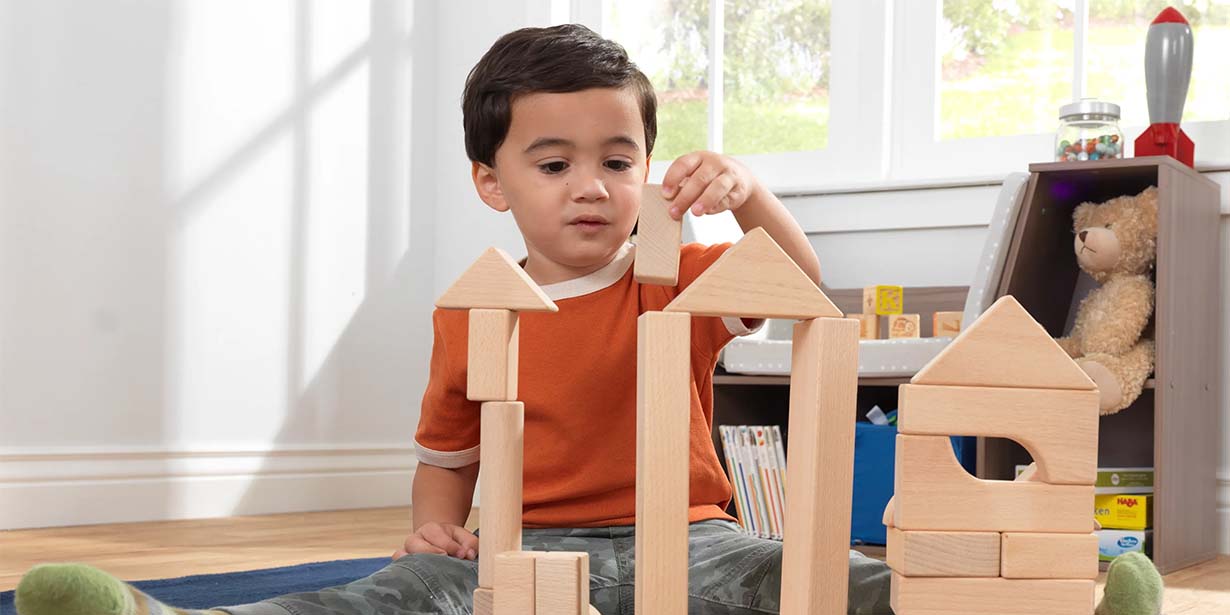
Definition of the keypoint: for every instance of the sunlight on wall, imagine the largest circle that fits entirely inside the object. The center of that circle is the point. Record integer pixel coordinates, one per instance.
(232, 70)
(336, 224)
(337, 29)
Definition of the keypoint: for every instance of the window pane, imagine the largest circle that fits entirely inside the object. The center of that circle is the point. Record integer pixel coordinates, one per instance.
(668, 40)
(1006, 66)
(776, 76)
(1116, 56)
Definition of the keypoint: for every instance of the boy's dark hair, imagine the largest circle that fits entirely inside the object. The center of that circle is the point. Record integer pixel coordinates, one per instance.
(566, 58)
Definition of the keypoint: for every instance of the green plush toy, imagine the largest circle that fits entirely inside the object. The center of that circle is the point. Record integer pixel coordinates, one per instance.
(1133, 587)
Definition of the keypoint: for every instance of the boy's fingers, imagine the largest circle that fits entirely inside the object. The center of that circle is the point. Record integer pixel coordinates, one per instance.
(440, 538)
(416, 544)
(468, 541)
(694, 185)
(713, 199)
(682, 167)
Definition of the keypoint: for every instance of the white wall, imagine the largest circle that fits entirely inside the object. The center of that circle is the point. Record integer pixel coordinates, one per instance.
(216, 255)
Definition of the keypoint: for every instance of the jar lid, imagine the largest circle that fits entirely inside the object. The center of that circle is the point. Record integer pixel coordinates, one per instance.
(1089, 106)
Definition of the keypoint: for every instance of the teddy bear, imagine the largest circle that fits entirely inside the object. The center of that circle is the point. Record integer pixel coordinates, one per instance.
(1116, 244)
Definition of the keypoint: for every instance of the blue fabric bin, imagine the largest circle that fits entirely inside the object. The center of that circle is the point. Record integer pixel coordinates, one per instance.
(875, 450)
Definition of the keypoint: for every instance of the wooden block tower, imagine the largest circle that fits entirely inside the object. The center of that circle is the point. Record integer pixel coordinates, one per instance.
(960, 545)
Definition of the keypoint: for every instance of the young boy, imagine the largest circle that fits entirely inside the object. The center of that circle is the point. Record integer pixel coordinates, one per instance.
(559, 127)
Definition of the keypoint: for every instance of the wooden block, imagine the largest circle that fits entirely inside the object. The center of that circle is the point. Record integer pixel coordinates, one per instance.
(933, 492)
(663, 383)
(903, 326)
(944, 554)
(502, 438)
(495, 281)
(1005, 347)
(562, 584)
(883, 300)
(1049, 556)
(514, 582)
(1058, 427)
(491, 362)
(754, 279)
(657, 240)
(889, 515)
(484, 601)
(946, 324)
(816, 541)
(868, 326)
(1029, 473)
(998, 596)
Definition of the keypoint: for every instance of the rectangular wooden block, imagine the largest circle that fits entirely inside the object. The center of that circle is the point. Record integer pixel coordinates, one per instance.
(502, 437)
(823, 388)
(1049, 556)
(658, 238)
(484, 601)
(997, 596)
(868, 326)
(933, 492)
(514, 582)
(944, 554)
(946, 324)
(883, 299)
(491, 362)
(903, 326)
(663, 409)
(562, 584)
(1059, 427)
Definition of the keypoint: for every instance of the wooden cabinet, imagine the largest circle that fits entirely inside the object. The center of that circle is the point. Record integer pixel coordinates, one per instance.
(1173, 426)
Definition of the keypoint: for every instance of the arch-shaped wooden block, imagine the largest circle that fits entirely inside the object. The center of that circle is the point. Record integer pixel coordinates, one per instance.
(1058, 427)
(933, 492)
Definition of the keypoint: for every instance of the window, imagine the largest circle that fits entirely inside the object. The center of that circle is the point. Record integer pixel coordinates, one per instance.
(819, 92)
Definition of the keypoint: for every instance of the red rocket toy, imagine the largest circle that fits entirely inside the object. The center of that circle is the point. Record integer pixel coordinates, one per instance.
(1168, 71)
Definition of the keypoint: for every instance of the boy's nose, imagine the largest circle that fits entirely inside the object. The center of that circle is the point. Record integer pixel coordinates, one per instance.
(590, 189)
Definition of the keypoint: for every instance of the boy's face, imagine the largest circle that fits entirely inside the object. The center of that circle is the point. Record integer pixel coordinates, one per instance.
(570, 170)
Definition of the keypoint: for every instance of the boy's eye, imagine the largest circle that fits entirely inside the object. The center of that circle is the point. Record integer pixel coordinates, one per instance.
(618, 165)
(556, 166)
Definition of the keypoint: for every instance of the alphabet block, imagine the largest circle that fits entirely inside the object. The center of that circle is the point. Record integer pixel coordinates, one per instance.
(883, 300)
(903, 326)
(946, 324)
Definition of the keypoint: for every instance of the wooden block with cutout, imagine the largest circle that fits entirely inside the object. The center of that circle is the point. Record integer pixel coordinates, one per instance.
(495, 281)
(944, 554)
(502, 437)
(562, 584)
(933, 492)
(1028, 555)
(491, 362)
(1059, 427)
(754, 279)
(984, 596)
(658, 237)
(823, 391)
(663, 391)
(1005, 347)
(514, 582)
(903, 326)
(946, 324)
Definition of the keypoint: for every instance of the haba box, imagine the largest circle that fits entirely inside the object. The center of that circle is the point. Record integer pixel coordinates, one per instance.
(1123, 511)
(1137, 480)
(1113, 543)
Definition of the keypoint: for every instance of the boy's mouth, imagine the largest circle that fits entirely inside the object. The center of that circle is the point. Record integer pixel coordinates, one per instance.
(589, 222)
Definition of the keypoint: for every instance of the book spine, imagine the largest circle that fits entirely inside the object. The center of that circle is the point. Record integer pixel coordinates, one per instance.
(736, 483)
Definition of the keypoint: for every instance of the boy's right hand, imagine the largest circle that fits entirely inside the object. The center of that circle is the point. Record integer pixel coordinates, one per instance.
(442, 539)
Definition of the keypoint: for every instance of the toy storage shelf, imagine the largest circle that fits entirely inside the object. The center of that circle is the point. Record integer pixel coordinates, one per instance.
(1172, 426)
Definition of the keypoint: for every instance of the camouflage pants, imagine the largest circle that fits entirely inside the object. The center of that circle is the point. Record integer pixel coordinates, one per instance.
(730, 573)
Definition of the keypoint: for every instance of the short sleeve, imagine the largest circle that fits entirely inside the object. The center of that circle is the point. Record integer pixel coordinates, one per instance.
(710, 334)
(449, 424)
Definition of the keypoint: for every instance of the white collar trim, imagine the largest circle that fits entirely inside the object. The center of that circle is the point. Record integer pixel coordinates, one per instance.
(609, 274)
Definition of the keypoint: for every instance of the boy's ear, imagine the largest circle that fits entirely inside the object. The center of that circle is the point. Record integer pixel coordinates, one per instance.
(488, 186)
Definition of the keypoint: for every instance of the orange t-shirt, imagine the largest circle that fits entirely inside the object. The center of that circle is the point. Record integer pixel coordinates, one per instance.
(577, 378)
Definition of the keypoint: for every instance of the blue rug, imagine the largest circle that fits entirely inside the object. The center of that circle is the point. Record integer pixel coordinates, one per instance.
(208, 590)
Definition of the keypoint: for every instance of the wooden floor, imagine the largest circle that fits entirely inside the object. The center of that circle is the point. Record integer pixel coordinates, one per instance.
(177, 548)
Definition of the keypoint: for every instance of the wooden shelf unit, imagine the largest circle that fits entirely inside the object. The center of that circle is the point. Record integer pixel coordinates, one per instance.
(1172, 426)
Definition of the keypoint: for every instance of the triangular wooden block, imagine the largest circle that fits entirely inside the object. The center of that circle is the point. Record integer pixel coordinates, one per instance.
(755, 279)
(496, 281)
(1005, 347)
